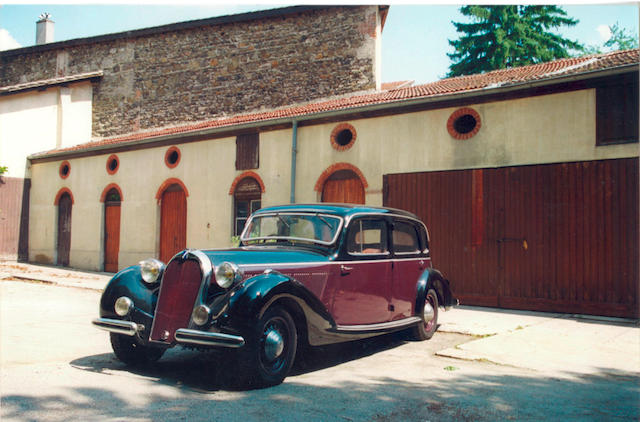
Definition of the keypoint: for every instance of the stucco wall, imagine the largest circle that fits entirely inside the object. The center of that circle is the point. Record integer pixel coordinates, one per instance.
(544, 129)
(42, 120)
(191, 74)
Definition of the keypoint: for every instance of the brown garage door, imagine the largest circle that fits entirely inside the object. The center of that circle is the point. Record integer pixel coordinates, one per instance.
(557, 237)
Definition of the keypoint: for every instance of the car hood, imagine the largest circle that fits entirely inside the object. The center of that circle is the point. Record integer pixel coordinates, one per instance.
(255, 256)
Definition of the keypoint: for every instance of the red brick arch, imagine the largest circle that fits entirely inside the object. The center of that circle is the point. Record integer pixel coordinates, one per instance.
(244, 175)
(337, 167)
(60, 193)
(108, 188)
(169, 182)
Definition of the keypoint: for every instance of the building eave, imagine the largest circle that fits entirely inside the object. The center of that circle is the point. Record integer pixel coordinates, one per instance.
(48, 83)
(393, 106)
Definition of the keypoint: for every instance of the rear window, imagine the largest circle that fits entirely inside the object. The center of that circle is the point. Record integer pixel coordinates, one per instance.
(405, 238)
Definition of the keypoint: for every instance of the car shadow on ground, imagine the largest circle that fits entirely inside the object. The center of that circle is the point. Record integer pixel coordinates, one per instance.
(209, 370)
(460, 396)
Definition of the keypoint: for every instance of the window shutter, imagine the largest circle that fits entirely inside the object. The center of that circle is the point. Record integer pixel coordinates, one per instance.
(247, 151)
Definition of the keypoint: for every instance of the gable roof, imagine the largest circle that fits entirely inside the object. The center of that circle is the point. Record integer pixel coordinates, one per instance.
(544, 73)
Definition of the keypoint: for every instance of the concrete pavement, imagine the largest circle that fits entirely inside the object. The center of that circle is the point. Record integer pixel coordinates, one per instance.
(547, 342)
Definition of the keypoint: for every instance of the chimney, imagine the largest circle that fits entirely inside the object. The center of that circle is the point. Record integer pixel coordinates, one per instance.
(44, 29)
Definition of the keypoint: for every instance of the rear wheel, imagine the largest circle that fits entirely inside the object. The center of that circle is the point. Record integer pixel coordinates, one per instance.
(427, 328)
(129, 351)
(270, 352)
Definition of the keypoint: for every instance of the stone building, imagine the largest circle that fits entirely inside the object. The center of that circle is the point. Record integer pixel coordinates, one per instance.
(527, 178)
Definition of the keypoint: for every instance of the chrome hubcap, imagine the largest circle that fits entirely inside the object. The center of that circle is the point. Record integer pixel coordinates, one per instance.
(273, 344)
(428, 312)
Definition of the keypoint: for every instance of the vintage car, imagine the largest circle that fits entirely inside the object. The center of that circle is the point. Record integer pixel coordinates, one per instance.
(303, 275)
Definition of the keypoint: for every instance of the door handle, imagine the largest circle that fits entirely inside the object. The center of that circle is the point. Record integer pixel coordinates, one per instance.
(344, 270)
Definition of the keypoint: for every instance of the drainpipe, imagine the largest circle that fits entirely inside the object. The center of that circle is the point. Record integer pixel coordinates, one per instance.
(294, 151)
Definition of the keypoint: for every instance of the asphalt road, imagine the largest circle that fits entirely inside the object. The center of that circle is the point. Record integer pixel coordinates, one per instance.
(56, 367)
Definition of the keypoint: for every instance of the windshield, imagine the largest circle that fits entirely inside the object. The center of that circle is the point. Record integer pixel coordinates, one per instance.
(270, 228)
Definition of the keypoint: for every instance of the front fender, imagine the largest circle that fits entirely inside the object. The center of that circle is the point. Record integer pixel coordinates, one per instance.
(433, 279)
(128, 282)
(258, 293)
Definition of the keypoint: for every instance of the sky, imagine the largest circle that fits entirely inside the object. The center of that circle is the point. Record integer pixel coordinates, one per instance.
(414, 40)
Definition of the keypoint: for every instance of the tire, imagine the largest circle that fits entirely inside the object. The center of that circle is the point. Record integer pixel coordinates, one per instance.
(129, 351)
(270, 351)
(427, 328)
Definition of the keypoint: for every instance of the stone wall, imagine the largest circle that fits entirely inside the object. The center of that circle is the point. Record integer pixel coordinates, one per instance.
(188, 72)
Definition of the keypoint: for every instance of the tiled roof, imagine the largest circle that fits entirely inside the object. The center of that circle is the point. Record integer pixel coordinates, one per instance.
(462, 84)
(387, 86)
(50, 82)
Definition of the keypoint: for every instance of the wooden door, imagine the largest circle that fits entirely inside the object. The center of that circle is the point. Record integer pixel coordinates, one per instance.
(64, 229)
(173, 222)
(551, 237)
(343, 187)
(111, 236)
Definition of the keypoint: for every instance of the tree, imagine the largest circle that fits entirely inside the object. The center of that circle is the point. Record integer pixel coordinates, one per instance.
(507, 36)
(620, 40)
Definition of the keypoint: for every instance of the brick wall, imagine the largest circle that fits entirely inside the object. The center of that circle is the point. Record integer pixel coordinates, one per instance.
(184, 73)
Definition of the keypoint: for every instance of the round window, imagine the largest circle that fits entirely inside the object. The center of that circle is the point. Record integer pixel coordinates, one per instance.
(112, 164)
(172, 157)
(65, 169)
(463, 123)
(343, 136)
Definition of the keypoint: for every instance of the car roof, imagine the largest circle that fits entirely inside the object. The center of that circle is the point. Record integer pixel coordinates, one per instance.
(342, 210)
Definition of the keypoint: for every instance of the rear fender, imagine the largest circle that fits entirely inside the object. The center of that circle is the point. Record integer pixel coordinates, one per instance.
(433, 279)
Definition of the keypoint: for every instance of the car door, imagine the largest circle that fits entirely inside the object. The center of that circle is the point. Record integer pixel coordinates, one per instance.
(408, 264)
(362, 288)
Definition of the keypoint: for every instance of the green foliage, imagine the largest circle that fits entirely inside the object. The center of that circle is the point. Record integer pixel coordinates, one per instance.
(508, 36)
(621, 39)
(3, 170)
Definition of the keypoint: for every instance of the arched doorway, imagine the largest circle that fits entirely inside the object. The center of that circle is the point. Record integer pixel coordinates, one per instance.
(65, 203)
(173, 221)
(247, 198)
(343, 186)
(112, 202)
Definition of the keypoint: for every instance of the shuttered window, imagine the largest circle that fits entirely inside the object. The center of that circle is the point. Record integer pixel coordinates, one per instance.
(617, 112)
(247, 152)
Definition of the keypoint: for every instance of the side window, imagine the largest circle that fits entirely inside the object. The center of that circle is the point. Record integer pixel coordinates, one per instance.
(367, 237)
(405, 238)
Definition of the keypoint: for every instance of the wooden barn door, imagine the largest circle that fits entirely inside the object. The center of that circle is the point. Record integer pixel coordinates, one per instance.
(173, 222)
(64, 229)
(111, 231)
(343, 187)
(553, 237)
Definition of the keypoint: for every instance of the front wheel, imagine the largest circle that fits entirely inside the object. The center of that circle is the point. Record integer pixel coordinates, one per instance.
(129, 351)
(270, 352)
(427, 328)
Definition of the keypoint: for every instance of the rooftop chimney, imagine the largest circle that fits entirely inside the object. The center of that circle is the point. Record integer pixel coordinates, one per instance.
(44, 29)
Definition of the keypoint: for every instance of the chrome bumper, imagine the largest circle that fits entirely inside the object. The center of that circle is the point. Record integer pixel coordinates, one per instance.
(205, 338)
(182, 335)
(127, 328)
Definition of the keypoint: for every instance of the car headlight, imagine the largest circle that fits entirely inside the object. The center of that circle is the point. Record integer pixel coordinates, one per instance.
(151, 269)
(227, 273)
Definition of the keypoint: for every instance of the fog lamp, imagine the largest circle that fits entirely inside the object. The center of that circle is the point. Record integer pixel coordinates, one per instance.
(123, 306)
(201, 315)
